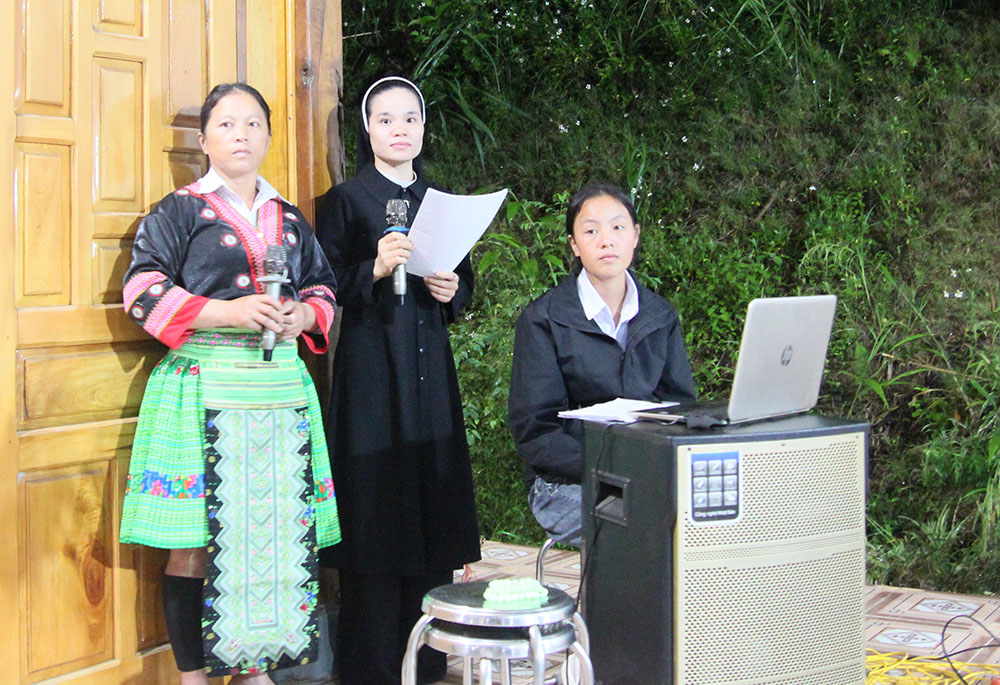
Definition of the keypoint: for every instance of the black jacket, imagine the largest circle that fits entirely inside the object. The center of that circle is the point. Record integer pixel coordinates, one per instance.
(562, 360)
(399, 455)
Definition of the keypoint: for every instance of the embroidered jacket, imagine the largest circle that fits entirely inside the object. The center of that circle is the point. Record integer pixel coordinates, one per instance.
(194, 247)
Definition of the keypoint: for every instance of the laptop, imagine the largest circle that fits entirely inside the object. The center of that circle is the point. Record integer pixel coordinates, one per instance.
(778, 370)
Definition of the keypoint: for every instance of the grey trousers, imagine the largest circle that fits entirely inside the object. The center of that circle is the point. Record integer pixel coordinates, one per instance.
(558, 508)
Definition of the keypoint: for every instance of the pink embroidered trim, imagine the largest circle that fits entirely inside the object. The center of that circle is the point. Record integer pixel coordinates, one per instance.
(165, 309)
(138, 284)
(317, 291)
(317, 295)
(269, 220)
(327, 310)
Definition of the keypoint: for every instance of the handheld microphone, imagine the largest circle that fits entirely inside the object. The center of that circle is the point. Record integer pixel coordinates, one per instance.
(275, 272)
(395, 216)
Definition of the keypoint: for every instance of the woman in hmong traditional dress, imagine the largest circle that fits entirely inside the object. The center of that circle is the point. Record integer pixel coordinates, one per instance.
(229, 466)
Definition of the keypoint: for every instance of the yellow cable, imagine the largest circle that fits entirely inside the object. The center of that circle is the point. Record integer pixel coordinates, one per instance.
(899, 668)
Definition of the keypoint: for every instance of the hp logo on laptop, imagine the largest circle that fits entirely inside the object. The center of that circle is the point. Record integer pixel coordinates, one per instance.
(786, 356)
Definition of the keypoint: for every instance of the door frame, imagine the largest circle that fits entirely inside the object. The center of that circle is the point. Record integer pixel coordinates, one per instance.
(9, 592)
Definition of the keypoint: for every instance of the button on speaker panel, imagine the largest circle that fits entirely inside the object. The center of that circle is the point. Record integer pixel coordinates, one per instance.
(715, 487)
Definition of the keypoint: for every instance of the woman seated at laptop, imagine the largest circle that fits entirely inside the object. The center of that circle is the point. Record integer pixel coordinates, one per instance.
(596, 336)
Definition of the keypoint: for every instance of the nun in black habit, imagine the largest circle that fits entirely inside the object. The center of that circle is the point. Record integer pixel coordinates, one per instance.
(404, 481)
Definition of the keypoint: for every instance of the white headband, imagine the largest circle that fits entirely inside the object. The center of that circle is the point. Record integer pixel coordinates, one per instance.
(364, 100)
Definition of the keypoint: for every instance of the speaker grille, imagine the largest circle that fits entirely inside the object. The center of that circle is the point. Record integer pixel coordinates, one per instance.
(750, 552)
(767, 624)
(790, 490)
(778, 595)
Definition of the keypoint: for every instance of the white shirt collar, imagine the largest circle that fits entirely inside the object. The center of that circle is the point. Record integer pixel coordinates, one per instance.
(401, 184)
(597, 310)
(213, 183)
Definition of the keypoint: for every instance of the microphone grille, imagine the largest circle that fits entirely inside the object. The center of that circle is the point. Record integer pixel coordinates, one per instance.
(395, 212)
(275, 257)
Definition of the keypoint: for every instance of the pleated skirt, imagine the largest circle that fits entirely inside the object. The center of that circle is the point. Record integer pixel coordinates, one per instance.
(165, 499)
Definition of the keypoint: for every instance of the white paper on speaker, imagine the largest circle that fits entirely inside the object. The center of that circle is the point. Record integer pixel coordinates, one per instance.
(618, 410)
(447, 227)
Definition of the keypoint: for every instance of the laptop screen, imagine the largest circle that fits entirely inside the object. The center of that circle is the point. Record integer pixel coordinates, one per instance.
(782, 356)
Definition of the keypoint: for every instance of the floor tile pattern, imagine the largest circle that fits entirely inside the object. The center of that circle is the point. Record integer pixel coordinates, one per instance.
(897, 619)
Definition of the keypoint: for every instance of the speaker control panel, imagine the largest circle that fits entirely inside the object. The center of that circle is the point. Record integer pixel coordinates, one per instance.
(716, 487)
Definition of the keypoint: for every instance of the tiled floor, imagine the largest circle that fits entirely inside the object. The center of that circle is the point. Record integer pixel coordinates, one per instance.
(912, 621)
(897, 619)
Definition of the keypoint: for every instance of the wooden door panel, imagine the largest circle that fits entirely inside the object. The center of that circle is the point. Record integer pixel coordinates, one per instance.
(186, 62)
(42, 217)
(122, 17)
(51, 448)
(76, 326)
(182, 167)
(118, 115)
(66, 536)
(61, 385)
(43, 52)
(111, 259)
(44, 129)
(270, 78)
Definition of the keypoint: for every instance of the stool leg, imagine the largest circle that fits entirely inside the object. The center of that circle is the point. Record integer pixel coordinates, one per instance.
(540, 560)
(586, 668)
(485, 672)
(409, 675)
(582, 634)
(505, 672)
(467, 671)
(537, 654)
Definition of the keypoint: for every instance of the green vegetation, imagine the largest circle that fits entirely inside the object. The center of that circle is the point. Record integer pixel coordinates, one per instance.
(772, 148)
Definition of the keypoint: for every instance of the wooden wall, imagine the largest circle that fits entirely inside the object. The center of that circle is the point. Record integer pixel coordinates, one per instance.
(105, 96)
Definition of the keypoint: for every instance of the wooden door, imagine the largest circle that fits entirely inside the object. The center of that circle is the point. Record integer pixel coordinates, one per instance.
(105, 96)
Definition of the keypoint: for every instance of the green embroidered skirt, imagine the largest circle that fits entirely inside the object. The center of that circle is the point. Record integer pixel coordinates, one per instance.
(230, 454)
(165, 503)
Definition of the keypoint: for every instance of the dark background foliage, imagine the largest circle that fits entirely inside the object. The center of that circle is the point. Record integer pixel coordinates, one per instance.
(772, 148)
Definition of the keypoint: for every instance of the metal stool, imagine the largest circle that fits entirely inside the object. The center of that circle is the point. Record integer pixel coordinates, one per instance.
(456, 622)
(540, 560)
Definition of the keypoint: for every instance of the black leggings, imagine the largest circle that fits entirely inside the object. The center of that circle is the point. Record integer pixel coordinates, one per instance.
(182, 600)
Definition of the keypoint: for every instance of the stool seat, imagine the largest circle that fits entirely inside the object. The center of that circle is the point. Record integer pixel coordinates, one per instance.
(457, 621)
(463, 603)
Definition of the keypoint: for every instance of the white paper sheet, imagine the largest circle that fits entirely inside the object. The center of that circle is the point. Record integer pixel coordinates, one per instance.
(615, 411)
(447, 227)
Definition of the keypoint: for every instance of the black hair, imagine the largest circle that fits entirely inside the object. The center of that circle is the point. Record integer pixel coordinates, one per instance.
(592, 190)
(390, 85)
(365, 155)
(224, 89)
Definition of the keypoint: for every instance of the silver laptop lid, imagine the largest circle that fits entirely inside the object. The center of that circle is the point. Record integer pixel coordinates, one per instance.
(782, 355)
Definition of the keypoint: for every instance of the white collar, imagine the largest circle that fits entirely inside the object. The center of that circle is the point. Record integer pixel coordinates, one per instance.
(401, 184)
(593, 303)
(213, 183)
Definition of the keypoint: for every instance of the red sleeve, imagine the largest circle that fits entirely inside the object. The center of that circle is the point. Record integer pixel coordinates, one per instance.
(322, 326)
(178, 329)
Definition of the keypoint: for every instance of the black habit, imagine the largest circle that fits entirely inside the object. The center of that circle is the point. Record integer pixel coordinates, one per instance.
(399, 453)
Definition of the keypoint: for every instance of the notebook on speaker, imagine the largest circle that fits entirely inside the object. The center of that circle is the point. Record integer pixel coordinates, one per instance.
(779, 367)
